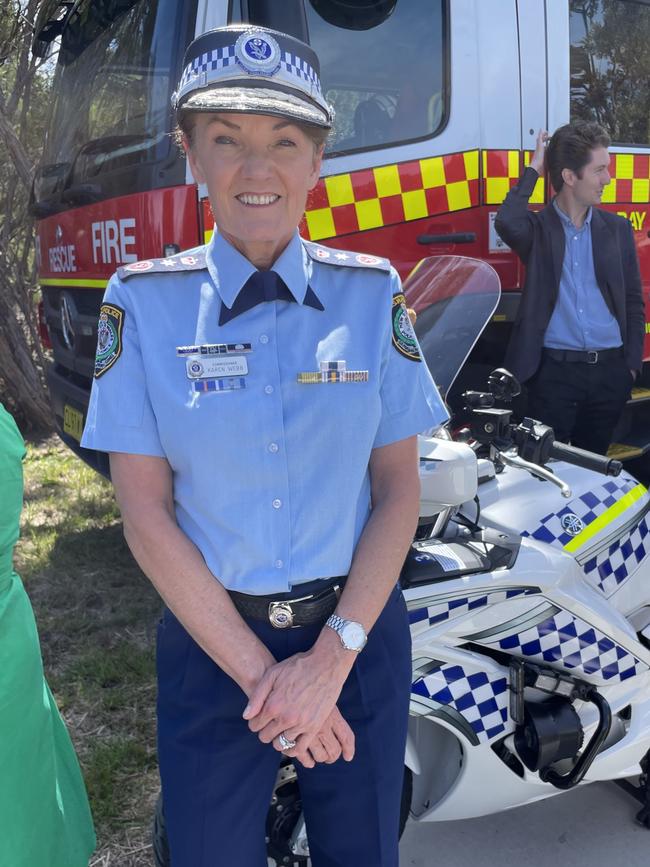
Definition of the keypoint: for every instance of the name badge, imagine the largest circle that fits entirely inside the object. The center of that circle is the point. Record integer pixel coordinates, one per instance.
(214, 367)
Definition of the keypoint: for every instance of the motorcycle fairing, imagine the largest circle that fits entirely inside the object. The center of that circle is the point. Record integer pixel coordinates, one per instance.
(450, 606)
(564, 640)
(471, 701)
(612, 541)
(594, 509)
(607, 562)
(614, 564)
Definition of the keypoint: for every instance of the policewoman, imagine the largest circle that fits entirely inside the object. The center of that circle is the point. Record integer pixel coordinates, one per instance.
(259, 398)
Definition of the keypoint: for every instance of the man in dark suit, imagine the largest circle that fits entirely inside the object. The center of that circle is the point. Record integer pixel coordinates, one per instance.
(577, 341)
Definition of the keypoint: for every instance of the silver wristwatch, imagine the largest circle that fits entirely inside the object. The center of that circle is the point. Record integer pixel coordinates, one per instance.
(352, 634)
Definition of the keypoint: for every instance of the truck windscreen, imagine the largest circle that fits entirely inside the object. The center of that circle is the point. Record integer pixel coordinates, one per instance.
(111, 114)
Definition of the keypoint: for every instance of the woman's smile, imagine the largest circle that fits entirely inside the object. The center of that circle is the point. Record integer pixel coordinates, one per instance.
(257, 199)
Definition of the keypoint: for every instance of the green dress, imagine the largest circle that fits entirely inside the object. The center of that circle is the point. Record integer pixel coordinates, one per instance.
(44, 815)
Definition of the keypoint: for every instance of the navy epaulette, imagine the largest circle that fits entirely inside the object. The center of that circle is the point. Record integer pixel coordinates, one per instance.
(193, 260)
(348, 260)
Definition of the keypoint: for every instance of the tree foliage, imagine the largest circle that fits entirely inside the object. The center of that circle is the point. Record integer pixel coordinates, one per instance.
(24, 90)
(610, 67)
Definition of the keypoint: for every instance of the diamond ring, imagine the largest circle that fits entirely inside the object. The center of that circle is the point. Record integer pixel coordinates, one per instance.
(285, 743)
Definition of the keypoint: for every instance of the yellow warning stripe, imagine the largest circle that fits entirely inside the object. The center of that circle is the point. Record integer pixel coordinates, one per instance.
(68, 281)
(606, 518)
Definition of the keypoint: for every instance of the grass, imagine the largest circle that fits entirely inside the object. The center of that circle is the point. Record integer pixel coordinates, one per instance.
(96, 615)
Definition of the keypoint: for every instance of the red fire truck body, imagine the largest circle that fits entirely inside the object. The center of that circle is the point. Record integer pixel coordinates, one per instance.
(438, 106)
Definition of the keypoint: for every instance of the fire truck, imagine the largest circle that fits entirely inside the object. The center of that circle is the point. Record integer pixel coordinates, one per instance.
(438, 104)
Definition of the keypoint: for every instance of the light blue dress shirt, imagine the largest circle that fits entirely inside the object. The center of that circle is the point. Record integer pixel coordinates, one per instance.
(270, 474)
(581, 318)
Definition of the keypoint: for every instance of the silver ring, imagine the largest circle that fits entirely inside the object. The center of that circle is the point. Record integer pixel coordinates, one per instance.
(285, 743)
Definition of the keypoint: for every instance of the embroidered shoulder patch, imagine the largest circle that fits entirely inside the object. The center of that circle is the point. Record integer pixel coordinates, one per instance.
(404, 339)
(109, 338)
(341, 257)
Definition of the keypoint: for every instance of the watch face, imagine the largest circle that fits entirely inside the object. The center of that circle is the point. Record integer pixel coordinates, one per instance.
(353, 635)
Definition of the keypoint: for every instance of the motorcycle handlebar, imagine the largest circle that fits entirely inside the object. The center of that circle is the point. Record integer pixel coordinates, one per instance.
(585, 459)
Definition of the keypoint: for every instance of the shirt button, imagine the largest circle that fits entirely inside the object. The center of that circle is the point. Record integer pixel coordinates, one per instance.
(273, 447)
(279, 564)
(268, 389)
(277, 504)
(264, 338)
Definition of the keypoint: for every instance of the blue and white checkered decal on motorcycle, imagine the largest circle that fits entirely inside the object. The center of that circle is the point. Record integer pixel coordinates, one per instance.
(587, 507)
(481, 701)
(450, 609)
(570, 642)
(611, 567)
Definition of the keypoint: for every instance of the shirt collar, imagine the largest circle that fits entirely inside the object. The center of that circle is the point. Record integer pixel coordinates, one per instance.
(229, 269)
(567, 221)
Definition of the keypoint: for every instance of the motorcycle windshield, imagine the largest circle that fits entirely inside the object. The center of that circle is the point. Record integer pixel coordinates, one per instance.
(454, 298)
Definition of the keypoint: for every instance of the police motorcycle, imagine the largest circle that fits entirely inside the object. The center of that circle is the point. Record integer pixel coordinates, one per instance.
(528, 590)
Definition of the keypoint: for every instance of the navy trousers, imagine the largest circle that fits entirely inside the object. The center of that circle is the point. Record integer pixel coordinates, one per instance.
(581, 402)
(217, 776)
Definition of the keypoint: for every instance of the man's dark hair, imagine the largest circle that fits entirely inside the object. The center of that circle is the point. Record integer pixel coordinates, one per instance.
(570, 147)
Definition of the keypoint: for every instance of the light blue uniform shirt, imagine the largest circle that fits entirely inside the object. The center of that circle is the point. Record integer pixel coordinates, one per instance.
(581, 318)
(270, 474)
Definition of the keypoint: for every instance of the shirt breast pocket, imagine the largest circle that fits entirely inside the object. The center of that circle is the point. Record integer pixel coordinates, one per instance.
(341, 405)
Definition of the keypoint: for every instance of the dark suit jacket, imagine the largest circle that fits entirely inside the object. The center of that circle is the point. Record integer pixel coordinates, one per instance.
(538, 240)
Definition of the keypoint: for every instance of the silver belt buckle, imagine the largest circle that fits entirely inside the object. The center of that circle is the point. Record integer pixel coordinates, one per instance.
(280, 615)
(592, 356)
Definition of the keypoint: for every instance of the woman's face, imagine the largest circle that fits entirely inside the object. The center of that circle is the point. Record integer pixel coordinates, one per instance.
(258, 170)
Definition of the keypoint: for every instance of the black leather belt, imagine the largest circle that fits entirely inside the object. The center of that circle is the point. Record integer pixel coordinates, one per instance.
(308, 603)
(590, 356)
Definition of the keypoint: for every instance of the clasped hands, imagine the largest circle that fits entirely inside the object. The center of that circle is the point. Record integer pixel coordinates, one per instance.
(297, 697)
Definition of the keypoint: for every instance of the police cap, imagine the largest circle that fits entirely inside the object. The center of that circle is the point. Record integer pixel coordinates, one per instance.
(244, 68)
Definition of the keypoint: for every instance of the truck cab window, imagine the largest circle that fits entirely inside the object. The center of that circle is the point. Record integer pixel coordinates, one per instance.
(111, 112)
(388, 84)
(610, 66)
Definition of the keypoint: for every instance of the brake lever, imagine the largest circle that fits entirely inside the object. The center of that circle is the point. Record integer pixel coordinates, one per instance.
(512, 459)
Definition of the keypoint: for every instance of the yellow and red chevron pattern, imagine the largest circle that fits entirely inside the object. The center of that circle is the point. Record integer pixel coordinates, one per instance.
(383, 196)
(630, 175)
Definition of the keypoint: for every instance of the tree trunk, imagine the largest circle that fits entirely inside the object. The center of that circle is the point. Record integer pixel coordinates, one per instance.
(22, 108)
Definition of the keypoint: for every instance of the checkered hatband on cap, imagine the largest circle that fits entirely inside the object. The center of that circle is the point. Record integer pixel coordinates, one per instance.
(224, 57)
